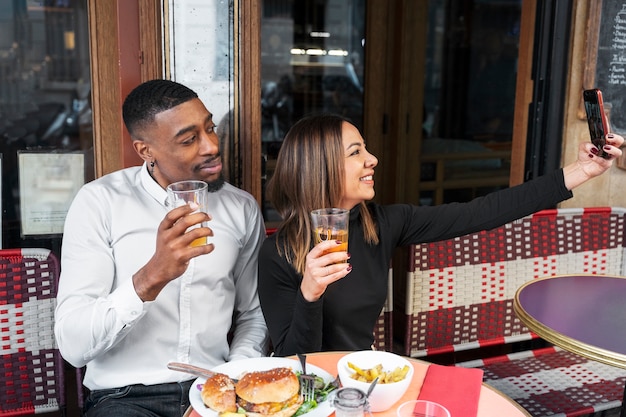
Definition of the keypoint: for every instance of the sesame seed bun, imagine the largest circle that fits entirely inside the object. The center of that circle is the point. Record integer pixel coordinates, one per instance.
(218, 393)
(275, 393)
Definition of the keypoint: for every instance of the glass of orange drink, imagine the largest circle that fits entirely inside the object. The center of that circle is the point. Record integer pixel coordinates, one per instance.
(331, 224)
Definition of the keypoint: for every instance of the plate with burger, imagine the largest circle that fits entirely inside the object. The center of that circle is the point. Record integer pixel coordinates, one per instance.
(259, 387)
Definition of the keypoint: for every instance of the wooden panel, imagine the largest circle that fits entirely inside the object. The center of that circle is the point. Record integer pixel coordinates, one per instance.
(377, 117)
(106, 93)
(150, 40)
(125, 41)
(523, 92)
(409, 110)
(129, 58)
(248, 72)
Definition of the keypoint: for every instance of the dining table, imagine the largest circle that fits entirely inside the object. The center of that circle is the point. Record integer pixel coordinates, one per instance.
(491, 402)
(583, 314)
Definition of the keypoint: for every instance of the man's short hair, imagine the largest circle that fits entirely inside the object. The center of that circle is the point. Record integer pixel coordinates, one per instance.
(151, 98)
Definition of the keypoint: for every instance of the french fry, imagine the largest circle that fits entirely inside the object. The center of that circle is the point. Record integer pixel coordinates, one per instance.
(356, 369)
(384, 377)
(402, 373)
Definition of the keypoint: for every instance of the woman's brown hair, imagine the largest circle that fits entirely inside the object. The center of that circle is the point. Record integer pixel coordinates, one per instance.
(310, 172)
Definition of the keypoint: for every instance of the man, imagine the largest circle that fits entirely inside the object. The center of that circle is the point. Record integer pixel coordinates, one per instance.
(133, 294)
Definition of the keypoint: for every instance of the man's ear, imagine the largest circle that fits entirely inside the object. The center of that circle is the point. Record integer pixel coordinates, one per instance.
(143, 150)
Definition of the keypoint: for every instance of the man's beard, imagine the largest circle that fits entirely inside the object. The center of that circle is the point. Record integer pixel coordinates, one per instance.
(216, 185)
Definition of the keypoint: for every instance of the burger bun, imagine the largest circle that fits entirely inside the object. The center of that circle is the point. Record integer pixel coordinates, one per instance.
(218, 393)
(271, 386)
(271, 393)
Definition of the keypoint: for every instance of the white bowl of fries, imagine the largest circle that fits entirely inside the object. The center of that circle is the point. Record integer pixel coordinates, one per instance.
(394, 372)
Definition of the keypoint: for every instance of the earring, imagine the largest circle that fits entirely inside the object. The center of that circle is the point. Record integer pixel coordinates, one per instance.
(152, 167)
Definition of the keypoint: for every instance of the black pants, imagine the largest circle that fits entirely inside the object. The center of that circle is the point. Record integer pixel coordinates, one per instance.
(162, 400)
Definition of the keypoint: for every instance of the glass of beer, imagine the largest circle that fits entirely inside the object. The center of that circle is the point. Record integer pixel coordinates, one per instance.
(331, 224)
(190, 191)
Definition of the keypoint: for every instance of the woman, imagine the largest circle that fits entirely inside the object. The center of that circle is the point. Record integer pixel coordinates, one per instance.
(316, 302)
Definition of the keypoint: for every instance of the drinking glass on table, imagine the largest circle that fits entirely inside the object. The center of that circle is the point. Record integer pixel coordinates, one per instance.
(422, 408)
(190, 191)
(331, 224)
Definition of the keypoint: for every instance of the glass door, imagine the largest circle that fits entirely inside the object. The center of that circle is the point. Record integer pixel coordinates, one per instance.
(439, 111)
(469, 98)
(311, 61)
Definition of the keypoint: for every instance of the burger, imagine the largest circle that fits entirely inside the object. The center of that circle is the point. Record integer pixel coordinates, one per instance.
(274, 393)
(218, 393)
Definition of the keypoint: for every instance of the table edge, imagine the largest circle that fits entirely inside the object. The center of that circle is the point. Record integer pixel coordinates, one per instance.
(561, 340)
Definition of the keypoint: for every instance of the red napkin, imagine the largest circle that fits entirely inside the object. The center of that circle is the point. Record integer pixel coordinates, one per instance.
(454, 387)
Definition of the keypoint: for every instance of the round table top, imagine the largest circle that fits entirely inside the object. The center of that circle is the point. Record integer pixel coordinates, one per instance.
(492, 403)
(584, 314)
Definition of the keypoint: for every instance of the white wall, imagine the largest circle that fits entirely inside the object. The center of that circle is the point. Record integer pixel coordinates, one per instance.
(200, 48)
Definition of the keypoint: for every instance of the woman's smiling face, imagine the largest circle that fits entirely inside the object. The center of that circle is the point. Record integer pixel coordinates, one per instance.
(359, 168)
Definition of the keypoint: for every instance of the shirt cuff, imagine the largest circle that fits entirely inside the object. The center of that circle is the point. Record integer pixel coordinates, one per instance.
(127, 303)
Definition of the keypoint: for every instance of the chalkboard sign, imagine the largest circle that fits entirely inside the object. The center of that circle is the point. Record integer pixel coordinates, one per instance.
(610, 74)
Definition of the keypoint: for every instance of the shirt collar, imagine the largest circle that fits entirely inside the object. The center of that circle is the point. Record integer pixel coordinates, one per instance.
(151, 186)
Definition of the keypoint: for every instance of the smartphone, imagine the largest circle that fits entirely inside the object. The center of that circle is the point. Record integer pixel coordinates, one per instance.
(596, 119)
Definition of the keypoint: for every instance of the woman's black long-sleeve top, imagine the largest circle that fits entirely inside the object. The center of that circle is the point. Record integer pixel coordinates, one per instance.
(344, 317)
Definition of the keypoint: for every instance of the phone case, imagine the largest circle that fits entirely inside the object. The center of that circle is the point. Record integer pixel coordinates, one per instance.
(596, 118)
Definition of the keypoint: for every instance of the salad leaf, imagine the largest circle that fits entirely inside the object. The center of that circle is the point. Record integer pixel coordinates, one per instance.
(322, 389)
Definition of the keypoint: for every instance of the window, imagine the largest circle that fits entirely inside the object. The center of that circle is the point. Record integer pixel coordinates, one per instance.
(45, 107)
